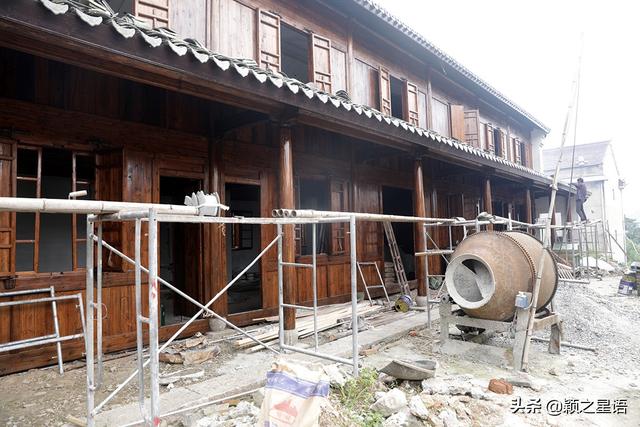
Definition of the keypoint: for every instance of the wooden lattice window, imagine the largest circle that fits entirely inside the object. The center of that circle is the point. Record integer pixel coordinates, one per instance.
(51, 242)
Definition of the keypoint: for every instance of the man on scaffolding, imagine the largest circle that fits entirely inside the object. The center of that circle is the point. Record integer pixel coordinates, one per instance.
(581, 196)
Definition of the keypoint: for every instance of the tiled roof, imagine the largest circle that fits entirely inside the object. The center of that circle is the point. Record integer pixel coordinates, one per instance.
(97, 12)
(386, 16)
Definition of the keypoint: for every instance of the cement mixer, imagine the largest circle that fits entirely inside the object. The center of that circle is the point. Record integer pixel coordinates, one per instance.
(489, 268)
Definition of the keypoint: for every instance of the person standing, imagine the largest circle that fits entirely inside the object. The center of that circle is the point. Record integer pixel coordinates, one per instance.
(581, 196)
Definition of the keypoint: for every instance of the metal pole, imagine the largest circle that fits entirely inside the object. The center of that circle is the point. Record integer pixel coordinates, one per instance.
(99, 305)
(354, 293)
(280, 288)
(313, 283)
(153, 317)
(426, 270)
(586, 249)
(139, 336)
(595, 242)
(89, 335)
(56, 329)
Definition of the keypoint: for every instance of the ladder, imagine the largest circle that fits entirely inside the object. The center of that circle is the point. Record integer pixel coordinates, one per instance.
(364, 281)
(397, 261)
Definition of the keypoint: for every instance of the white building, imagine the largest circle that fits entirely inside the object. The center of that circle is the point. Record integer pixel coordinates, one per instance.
(595, 162)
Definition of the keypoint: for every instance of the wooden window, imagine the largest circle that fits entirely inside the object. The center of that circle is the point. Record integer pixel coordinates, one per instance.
(472, 128)
(503, 144)
(155, 12)
(51, 242)
(457, 122)
(489, 137)
(422, 110)
(365, 84)
(339, 202)
(321, 63)
(441, 117)
(7, 189)
(384, 85)
(269, 40)
(233, 29)
(521, 154)
(412, 104)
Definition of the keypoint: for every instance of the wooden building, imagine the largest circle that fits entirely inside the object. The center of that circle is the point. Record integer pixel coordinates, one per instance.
(321, 104)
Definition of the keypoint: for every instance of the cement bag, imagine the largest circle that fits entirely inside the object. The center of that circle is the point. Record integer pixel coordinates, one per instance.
(294, 395)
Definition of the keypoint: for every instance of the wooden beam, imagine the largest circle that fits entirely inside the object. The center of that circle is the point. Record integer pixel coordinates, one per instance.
(488, 208)
(288, 242)
(420, 209)
(528, 206)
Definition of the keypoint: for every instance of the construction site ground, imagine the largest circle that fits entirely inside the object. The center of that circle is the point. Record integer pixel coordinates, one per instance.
(594, 315)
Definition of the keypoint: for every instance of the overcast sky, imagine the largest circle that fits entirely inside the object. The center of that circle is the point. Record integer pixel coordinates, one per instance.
(529, 51)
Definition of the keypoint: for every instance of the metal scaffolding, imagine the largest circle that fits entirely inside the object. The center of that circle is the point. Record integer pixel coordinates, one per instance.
(205, 211)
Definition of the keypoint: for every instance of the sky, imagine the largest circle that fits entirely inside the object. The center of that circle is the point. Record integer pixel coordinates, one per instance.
(529, 51)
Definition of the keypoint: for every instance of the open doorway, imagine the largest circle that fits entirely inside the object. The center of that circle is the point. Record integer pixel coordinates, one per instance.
(180, 254)
(243, 245)
(399, 201)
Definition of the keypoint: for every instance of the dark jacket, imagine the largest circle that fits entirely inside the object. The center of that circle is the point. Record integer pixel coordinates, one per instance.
(581, 191)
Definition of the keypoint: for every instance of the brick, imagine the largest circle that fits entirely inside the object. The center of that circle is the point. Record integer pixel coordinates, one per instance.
(500, 386)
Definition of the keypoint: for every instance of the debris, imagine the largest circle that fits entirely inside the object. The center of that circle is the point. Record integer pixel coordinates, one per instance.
(189, 357)
(449, 419)
(500, 386)
(553, 372)
(336, 377)
(181, 375)
(414, 370)
(194, 357)
(392, 401)
(369, 351)
(453, 387)
(402, 418)
(244, 409)
(524, 380)
(258, 396)
(194, 341)
(413, 333)
(80, 422)
(417, 408)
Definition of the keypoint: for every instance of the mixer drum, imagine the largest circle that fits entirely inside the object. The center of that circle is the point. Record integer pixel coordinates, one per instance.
(489, 268)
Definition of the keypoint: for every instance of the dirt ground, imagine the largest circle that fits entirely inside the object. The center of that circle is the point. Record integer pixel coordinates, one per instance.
(594, 315)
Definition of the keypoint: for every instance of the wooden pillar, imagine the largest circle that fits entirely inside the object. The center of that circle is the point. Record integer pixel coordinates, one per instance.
(487, 199)
(420, 209)
(215, 259)
(288, 242)
(528, 206)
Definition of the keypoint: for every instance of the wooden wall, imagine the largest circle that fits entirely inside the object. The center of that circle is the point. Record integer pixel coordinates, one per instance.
(138, 133)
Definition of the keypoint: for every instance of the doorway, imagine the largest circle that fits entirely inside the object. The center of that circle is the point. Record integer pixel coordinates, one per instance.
(180, 254)
(399, 201)
(243, 245)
